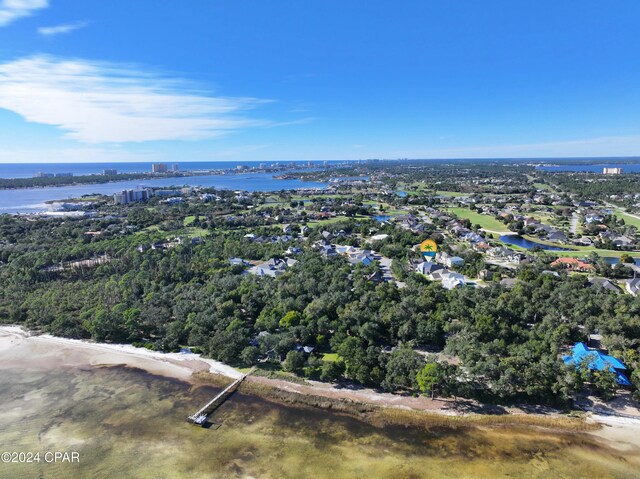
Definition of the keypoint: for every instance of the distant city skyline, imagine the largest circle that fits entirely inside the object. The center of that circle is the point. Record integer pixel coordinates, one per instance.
(272, 81)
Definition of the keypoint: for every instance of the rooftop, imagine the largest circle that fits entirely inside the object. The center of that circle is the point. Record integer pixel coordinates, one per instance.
(598, 362)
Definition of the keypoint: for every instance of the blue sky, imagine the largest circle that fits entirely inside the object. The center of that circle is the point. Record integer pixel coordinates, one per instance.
(151, 80)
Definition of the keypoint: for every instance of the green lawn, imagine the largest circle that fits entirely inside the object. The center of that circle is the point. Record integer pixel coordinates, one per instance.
(451, 193)
(310, 197)
(629, 220)
(330, 357)
(541, 186)
(485, 221)
(196, 232)
(601, 252)
(337, 219)
(266, 205)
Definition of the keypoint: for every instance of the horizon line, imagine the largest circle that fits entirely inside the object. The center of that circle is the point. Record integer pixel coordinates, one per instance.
(360, 160)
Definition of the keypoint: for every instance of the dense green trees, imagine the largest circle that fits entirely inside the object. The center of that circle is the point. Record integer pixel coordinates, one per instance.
(402, 367)
(506, 344)
(294, 362)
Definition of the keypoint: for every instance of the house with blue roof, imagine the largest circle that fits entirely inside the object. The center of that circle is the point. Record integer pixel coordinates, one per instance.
(598, 362)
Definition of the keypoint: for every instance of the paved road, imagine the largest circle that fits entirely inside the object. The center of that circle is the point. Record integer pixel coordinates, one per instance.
(574, 223)
(387, 275)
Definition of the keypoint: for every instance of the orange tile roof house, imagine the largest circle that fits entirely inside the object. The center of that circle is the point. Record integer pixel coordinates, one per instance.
(573, 264)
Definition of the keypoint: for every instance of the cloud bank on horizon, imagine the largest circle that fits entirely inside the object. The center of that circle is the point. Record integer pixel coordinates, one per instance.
(100, 102)
(11, 10)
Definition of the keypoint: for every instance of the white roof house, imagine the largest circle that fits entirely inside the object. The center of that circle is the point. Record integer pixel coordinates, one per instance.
(452, 280)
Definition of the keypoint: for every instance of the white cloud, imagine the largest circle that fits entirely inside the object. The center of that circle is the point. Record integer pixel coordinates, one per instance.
(98, 102)
(11, 10)
(61, 29)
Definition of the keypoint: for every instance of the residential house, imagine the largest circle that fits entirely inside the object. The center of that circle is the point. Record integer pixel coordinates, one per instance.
(542, 227)
(598, 361)
(633, 286)
(379, 237)
(481, 246)
(346, 250)
(448, 260)
(452, 280)
(583, 241)
(507, 254)
(274, 267)
(376, 277)
(500, 252)
(573, 264)
(485, 274)
(472, 237)
(557, 237)
(604, 283)
(327, 250)
(427, 268)
(593, 218)
(238, 262)
(623, 241)
(360, 258)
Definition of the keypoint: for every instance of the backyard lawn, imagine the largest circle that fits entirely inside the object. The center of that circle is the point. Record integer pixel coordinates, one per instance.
(485, 221)
(628, 220)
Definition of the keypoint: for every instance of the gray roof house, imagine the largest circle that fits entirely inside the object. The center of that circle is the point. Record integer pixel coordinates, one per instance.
(633, 286)
(428, 268)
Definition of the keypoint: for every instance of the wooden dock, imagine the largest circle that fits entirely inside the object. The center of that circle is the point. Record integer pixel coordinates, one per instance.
(200, 417)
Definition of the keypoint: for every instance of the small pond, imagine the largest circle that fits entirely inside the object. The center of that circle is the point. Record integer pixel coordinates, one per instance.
(518, 240)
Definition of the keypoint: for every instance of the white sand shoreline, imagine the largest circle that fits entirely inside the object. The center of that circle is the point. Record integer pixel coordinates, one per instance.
(620, 433)
(178, 365)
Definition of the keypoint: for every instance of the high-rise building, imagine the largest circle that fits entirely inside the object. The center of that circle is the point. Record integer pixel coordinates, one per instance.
(159, 168)
(109, 172)
(612, 171)
(64, 175)
(131, 196)
(41, 174)
(175, 167)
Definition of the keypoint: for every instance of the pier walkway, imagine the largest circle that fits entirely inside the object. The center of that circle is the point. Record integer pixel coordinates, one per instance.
(200, 417)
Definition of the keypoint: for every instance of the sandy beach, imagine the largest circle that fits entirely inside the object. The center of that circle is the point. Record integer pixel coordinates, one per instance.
(620, 433)
(47, 350)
